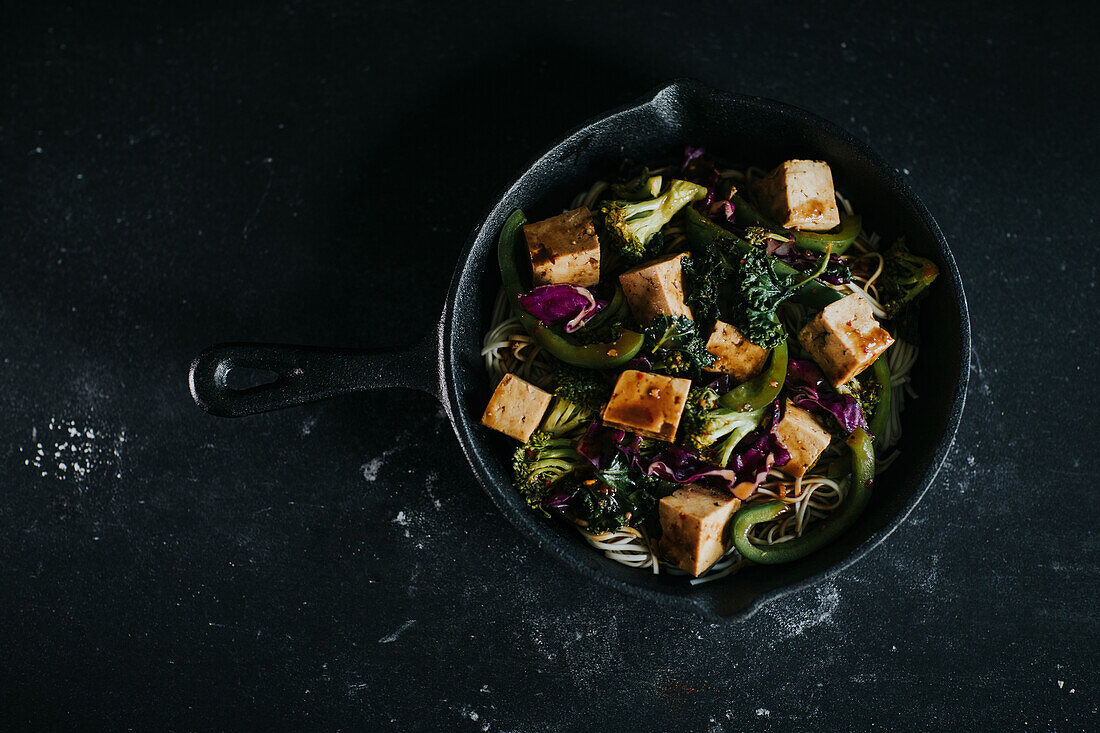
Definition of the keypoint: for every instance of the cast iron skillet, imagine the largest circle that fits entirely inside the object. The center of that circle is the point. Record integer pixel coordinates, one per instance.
(741, 130)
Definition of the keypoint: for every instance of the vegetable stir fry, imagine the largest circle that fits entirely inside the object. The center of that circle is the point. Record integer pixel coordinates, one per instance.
(703, 368)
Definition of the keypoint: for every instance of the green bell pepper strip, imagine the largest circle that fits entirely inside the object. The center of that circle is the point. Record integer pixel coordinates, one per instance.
(589, 356)
(880, 370)
(820, 534)
(762, 389)
(841, 237)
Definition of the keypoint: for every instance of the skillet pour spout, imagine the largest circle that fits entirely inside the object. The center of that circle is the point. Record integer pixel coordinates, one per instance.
(741, 130)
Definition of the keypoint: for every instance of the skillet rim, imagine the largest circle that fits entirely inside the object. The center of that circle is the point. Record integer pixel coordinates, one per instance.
(524, 521)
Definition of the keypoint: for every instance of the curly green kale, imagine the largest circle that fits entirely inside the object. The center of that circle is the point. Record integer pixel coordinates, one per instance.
(673, 346)
(634, 227)
(619, 496)
(540, 463)
(905, 277)
(706, 273)
(759, 291)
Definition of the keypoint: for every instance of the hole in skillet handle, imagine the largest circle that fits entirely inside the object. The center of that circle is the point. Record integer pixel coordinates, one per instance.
(285, 375)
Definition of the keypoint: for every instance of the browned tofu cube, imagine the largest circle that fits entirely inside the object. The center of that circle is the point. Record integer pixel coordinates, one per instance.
(693, 526)
(564, 249)
(656, 287)
(844, 338)
(734, 354)
(516, 408)
(804, 437)
(647, 404)
(799, 195)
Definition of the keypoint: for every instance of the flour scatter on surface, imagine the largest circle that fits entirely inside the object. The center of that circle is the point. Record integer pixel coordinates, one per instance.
(70, 450)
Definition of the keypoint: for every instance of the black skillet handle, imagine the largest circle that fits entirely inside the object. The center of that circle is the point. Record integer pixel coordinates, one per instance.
(306, 374)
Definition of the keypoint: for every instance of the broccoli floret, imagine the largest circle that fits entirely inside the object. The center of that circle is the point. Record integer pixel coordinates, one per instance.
(673, 346)
(866, 390)
(711, 430)
(905, 276)
(578, 395)
(542, 461)
(644, 186)
(583, 387)
(565, 417)
(633, 226)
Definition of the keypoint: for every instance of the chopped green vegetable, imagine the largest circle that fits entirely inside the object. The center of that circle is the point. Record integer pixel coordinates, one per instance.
(540, 462)
(578, 395)
(865, 389)
(620, 496)
(905, 276)
(583, 387)
(634, 227)
(706, 273)
(760, 290)
(824, 531)
(673, 346)
(713, 430)
(644, 186)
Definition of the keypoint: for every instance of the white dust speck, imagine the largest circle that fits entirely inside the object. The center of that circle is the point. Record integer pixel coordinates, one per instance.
(371, 468)
(401, 519)
(763, 713)
(795, 624)
(484, 688)
(1060, 683)
(389, 638)
(76, 450)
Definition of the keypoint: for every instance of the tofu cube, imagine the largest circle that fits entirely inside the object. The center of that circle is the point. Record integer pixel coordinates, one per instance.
(516, 408)
(799, 195)
(647, 404)
(844, 338)
(564, 249)
(804, 437)
(693, 526)
(734, 354)
(656, 287)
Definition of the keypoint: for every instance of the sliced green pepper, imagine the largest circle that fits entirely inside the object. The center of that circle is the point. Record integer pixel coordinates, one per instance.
(589, 356)
(841, 237)
(762, 389)
(820, 534)
(880, 370)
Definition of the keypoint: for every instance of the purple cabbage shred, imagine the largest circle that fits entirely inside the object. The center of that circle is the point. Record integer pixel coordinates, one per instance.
(808, 389)
(561, 303)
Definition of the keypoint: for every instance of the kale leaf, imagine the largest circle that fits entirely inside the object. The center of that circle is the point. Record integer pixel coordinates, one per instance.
(673, 346)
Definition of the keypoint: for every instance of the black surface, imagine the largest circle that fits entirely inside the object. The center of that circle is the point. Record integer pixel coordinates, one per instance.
(307, 174)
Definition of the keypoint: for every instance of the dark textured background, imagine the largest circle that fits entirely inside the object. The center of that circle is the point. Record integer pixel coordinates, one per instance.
(307, 173)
